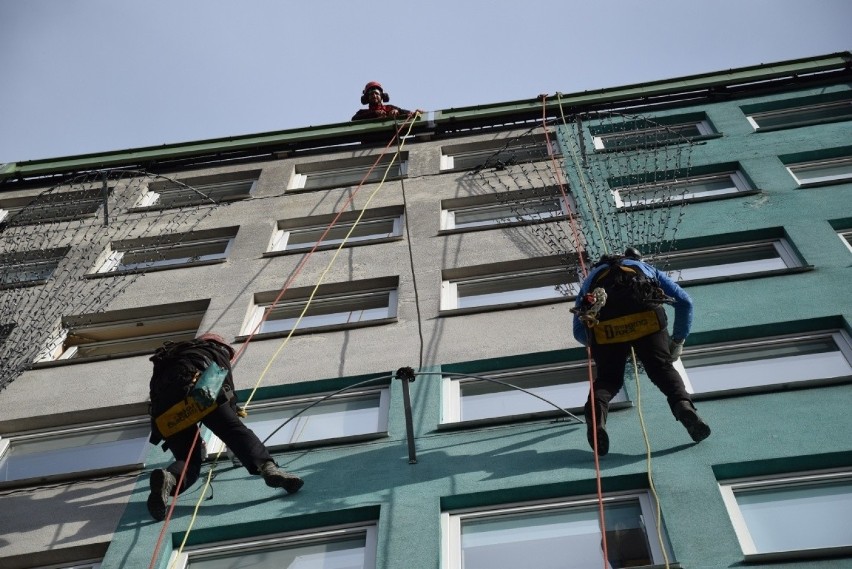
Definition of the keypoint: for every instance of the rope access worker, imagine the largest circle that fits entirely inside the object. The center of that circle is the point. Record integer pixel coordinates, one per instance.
(619, 307)
(178, 369)
(374, 96)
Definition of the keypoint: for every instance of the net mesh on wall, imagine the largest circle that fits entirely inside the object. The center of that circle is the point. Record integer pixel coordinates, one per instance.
(52, 247)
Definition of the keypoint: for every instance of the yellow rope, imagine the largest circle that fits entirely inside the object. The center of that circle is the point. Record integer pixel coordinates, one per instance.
(289, 335)
(648, 458)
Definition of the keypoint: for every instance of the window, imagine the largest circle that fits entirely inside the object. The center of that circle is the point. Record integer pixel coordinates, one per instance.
(822, 172)
(51, 206)
(91, 564)
(472, 399)
(121, 333)
(493, 153)
(508, 208)
(647, 133)
(730, 260)
(334, 548)
(335, 306)
(5, 331)
(696, 187)
(561, 535)
(348, 172)
(846, 236)
(516, 283)
(379, 224)
(799, 112)
(167, 251)
(339, 418)
(198, 191)
(74, 450)
(794, 516)
(27, 268)
(807, 359)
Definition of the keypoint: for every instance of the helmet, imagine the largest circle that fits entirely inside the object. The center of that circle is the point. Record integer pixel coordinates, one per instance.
(369, 87)
(212, 336)
(633, 253)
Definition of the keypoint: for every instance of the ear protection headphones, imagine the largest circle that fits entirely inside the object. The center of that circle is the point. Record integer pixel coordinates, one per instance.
(369, 87)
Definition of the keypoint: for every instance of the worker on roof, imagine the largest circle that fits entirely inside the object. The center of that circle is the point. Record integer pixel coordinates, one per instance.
(619, 307)
(375, 97)
(179, 368)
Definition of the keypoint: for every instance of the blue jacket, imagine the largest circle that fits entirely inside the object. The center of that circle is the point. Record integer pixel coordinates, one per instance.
(682, 304)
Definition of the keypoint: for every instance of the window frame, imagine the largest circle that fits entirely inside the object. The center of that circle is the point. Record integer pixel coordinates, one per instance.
(110, 261)
(216, 446)
(531, 144)
(8, 442)
(244, 184)
(846, 237)
(56, 352)
(280, 243)
(451, 521)
(703, 126)
(679, 189)
(357, 167)
(782, 246)
(325, 294)
(182, 559)
(792, 111)
(508, 202)
(730, 488)
(452, 393)
(539, 269)
(792, 168)
(841, 338)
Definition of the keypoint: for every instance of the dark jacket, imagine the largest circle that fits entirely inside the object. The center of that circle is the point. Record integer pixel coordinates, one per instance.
(379, 112)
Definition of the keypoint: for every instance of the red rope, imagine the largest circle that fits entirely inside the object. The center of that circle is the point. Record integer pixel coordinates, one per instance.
(580, 250)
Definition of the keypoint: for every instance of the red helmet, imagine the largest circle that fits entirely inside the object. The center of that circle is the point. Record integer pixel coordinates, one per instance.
(369, 87)
(214, 337)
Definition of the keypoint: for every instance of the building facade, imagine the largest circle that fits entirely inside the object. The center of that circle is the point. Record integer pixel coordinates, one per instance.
(331, 257)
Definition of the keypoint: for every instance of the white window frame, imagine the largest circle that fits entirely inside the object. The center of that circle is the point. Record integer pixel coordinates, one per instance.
(381, 394)
(793, 115)
(846, 236)
(603, 141)
(111, 261)
(166, 317)
(8, 442)
(840, 338)
(507, 209)
(355, 168)
(678, 190)
(784, 253)
(288, 237)
(450, 299)
(357, 296)
(49, 259)
(730, 488)
(845, 161)
(451, 521)
(526, 146)
(452, 388)
(221, 190)
(181, 560)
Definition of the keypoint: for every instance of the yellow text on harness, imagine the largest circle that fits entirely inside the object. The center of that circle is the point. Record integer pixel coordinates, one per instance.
(627, 328)
(200, 403)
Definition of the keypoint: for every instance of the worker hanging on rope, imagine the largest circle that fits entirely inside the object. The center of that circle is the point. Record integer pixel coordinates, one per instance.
(192, 382)
(619, 307)
(375, 97)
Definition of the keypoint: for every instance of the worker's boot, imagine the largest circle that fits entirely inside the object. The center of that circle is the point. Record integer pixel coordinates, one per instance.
(162, 483)
(277, 478)
(684, 412)
(599, 427)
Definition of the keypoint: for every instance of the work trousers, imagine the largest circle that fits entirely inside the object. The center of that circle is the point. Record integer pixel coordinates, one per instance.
(225, 424)
(653, 351)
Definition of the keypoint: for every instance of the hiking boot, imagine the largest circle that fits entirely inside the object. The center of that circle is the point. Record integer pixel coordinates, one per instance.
(602, 436)
(695, 426)
(277, 478)
(162, 483)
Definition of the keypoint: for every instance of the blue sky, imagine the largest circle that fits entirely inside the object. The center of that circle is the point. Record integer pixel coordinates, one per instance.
(82, 76)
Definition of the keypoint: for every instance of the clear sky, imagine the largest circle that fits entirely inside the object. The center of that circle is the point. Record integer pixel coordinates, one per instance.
(82, 76)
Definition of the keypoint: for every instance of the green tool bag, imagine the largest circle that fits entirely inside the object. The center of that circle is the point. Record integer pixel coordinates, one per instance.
(209, 385)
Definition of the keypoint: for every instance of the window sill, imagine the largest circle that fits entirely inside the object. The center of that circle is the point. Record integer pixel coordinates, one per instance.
(770, 388)
(24, 284)
(553, 416)
(338, 441)
(801, 124)
(73, 361)
(746, 276)
(676, 203)
(494, 226)
(154, 269)
(199, 203)
(445, 313)
(128, 470)
(685, 140)
(331, 246)
(816, 553)
(316, 330)
(807, 186)
(344, 185)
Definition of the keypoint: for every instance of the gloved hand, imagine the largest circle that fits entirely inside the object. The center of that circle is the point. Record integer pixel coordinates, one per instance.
(676, 349)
